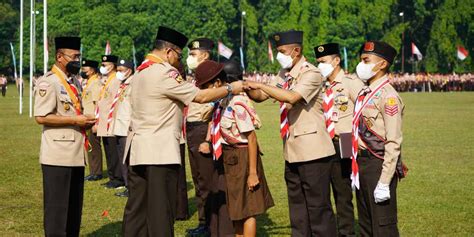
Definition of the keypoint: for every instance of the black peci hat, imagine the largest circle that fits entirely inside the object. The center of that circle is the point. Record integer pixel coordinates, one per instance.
(288, 37)
(125, 63)
(326, 49)
(109, 58)
(171, 36)
(201, 43)
(380, 49)
(90, 63)
(68, 43)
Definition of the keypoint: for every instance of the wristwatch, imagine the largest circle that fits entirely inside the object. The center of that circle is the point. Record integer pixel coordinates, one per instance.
(229, 89)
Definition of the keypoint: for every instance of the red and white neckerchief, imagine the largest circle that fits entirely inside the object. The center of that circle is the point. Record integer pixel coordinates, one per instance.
(216, 131)
(328, 108)
(362, 100)
(121, 89)
(284, 125)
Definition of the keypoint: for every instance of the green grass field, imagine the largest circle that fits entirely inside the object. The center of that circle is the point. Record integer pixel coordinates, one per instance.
(437, 198)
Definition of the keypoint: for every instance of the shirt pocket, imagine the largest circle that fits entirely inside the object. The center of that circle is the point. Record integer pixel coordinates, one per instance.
(66, 104)
(371, 114)
(63, 135)
(304, 129)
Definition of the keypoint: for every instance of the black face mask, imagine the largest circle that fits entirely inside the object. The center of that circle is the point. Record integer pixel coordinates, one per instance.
(73, 67)
(84, 75)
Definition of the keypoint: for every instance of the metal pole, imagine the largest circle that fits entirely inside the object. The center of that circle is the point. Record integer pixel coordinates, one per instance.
(403, 43)
(32, 57)
(20, 80)
(242, 39)
(45, 36)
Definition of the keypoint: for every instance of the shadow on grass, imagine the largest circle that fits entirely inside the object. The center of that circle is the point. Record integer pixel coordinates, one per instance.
(266, 227)
(113, 229)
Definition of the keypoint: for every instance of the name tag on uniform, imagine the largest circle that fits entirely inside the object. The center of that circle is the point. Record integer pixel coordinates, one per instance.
(335, 116)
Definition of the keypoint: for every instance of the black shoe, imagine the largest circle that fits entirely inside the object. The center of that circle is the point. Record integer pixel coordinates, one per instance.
(89, 177)
(107, 183)
(201, 230)
(122, 194)
(115, 185)
(96, 177)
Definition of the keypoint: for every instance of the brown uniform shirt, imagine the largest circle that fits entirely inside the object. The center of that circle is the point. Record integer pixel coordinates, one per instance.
(345, 92)
(90, 94)
(107, 95)
(60, 146)
(384, 116)
(158, 97)
(308, 139)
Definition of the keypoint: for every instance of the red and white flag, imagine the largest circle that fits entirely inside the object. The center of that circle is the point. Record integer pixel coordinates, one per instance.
(224, 50)
(416, 51)
(462, 53)
(270, 51)
(108, 50)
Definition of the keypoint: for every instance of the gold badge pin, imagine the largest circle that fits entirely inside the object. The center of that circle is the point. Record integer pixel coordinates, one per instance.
(340, 89)
(104, 58)
(195, 44)
(343, 108)
(42, 92)
(277, 37)
(320, 49)
(67, 107)
(122, 61)
(84, 62)
(179, 79)
(369, 124)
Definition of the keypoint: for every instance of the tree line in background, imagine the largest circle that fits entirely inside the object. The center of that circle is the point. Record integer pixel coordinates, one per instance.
(435, 26)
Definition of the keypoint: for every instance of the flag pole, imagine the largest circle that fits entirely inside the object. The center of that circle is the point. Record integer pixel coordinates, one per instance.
(20, 80)
(45, 36)
(15, 75)
(32, 57)
(345, 58)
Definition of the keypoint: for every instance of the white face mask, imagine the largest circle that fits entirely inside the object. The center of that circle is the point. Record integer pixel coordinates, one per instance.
(286, 61)
(326, 69)
(364, 71)
(103, 70)
(120, 76)
(192, 62)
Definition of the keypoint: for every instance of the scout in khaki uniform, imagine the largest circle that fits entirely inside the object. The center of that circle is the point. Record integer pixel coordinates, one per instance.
(63, 141)
(122, 113)
(197, 121)
(339, 95)
(105, 121)
(158, 97)
(377, 126)
(308, 149)
(90, 97)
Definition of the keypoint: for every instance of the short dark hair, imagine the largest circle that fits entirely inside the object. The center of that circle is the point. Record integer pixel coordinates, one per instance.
(161, 44)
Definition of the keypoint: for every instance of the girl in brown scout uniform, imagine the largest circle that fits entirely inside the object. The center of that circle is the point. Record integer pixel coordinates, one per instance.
(234, 141)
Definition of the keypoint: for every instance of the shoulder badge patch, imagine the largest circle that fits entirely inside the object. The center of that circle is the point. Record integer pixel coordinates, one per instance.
(175, 75)
(391, 106)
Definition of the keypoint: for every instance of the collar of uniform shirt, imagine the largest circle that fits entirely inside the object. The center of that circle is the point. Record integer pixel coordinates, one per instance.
(295, 71)
(378, 82)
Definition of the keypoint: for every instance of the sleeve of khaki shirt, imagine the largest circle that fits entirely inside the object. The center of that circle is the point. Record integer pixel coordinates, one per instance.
(183, 91)
(392, 115)
(243, 119)
(309, 85)
(356, 86)
(45, 98)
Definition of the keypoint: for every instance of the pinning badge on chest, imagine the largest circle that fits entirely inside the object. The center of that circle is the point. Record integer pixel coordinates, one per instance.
(66, 106)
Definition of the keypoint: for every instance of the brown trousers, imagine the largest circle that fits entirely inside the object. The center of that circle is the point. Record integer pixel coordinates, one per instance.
(375, 219)
(342, 192)
(182, 211)
(95, 156)
(309, 198)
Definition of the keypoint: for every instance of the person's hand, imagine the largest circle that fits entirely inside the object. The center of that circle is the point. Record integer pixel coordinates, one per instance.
(237, 87)
(252, 181)
(381, 193)
(251, 85)
(204, 148)
(84, 121)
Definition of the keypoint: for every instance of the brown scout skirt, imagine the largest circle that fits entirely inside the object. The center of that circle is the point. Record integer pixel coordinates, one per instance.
(241, 202)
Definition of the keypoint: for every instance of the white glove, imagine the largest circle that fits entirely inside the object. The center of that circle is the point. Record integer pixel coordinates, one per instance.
(381, 192)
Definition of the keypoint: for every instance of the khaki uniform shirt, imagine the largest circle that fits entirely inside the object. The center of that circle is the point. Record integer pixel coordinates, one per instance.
(199, 112)
(158, 97)
(384, 116)
(123, 111)
(308, 139)
(60, 146)
(345, 91)
(107, 96)
(238, 117)
(90, 94)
